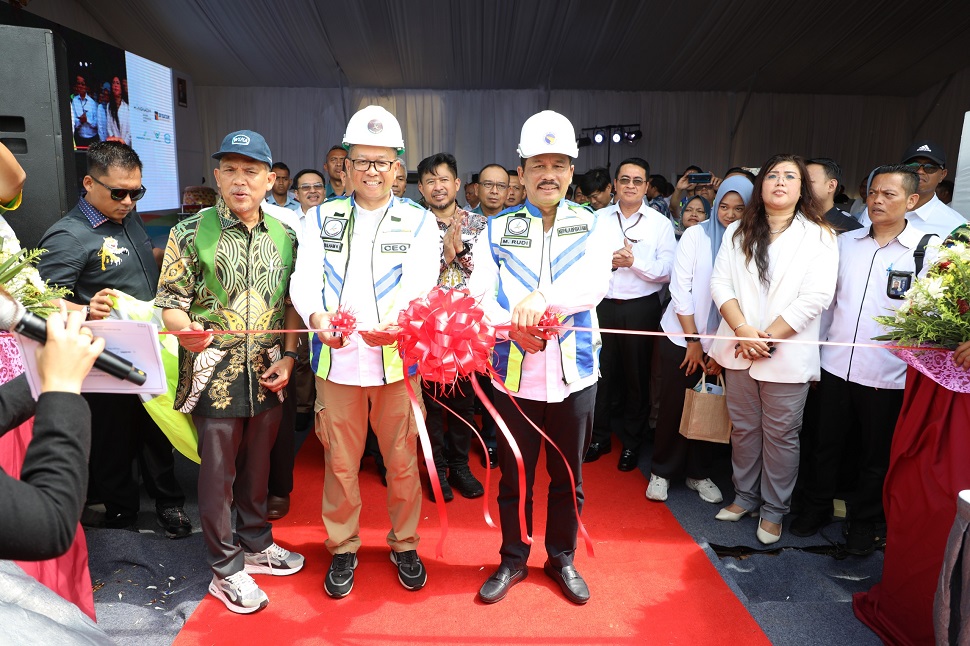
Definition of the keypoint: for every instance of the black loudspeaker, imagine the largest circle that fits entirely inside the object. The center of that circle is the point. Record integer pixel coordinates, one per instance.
(35, 125)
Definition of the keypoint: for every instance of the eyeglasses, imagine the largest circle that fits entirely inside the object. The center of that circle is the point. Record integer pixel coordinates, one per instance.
(501, 186)
(928, 168)
(309, 187)
(118, 194)
(636, 181)
(363, 165)
(788, 177)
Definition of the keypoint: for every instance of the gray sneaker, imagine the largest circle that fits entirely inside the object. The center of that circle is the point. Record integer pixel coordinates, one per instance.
(239, 592)
(274, 560)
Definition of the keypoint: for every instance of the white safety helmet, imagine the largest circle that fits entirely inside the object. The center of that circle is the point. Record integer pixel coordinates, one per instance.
(547, 132)
(374, 126)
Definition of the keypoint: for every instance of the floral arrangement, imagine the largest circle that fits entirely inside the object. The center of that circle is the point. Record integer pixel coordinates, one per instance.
(19, 277)
(934, 317)
(936, 309)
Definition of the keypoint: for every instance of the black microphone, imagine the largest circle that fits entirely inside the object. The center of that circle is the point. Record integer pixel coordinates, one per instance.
(15, 318)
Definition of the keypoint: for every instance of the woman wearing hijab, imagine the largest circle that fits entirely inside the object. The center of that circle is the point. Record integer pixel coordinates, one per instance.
(691, 311)
(697, 210)
(773, 276)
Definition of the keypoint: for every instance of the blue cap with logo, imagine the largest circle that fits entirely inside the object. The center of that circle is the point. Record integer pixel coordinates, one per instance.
(247, 143)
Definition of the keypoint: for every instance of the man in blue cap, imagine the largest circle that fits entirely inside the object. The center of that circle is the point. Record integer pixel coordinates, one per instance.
(228, 268)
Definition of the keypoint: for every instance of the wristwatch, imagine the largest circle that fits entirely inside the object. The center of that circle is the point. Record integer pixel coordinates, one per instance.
(291, 355)
(462, 253)
(692, 339)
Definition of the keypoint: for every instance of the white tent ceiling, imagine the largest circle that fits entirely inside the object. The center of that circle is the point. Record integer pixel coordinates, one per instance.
(889, 48)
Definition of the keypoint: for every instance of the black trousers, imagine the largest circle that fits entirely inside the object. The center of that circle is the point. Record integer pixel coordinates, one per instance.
(673, 454)
(848, 409)
(121, 431)
(450, 450)
(570, 425)
(623, 397)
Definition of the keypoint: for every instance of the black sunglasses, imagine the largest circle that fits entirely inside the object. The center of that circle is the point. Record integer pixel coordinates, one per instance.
(118, 194)
(929, 168)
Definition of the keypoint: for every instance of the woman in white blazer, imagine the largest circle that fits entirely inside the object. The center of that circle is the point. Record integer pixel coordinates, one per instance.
(774, 275)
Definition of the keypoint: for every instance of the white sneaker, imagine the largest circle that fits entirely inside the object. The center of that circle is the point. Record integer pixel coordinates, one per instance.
(657, 489)
(706, 489)
(239, 592)
(273, 560)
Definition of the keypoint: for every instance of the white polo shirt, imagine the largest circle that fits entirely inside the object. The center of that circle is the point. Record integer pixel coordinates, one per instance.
(653, 250)
(860, 296)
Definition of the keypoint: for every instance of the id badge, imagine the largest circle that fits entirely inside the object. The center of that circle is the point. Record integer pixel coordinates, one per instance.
(898, 284)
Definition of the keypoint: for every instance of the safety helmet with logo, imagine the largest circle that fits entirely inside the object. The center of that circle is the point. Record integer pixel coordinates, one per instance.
(374, 126)
(547, 132)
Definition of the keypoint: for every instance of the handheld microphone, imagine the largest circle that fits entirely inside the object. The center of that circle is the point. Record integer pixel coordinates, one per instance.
(15, 318)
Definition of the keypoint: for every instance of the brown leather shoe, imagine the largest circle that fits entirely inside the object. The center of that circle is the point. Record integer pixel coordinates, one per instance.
(278, 506)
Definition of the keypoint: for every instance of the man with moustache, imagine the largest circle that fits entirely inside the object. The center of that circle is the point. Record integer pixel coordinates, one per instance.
(861, 389)
(438, 183)
(98, 249)
(493, 189)
(370, 253)
(335, 172)
(547, 254)
(228, 267)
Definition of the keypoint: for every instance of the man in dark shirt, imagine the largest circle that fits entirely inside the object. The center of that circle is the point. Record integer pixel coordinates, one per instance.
(98, 249)
(825, 176)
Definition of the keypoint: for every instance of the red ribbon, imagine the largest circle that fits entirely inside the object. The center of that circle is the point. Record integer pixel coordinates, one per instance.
(343, 322)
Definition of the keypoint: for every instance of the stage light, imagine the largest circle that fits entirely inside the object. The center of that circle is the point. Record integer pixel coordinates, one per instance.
(633, 135)
(617, 136)
(582, 142)
(599, 136)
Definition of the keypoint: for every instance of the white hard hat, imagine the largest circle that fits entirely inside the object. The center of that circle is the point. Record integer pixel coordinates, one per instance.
(374, 126)
(547, 132)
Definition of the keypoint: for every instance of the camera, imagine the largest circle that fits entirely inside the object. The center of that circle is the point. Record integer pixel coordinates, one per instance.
(699, 178)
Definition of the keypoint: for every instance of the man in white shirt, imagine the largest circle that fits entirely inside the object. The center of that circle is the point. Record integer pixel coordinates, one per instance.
(370, 254)
(547, 254)
(861, 389)
(644, 245)
(928, 160)
(84, 115)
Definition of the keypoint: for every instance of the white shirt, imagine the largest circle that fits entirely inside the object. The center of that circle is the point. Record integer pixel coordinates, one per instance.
(542, 375)
(359, 364)
(933, 217)
(859, 297)
(293, 219)
(690, 286)
(87, 106)
(653, 251)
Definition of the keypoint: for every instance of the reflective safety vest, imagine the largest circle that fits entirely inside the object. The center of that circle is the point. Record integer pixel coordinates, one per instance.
(400, 224)
(516, 242)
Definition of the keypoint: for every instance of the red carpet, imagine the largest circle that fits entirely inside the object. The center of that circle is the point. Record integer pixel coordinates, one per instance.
(649, 581)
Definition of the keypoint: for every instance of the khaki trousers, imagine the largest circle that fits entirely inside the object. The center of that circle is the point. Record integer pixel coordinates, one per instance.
(343, 413)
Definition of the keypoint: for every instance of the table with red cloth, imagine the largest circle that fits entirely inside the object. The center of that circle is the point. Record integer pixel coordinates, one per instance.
(929, 465)
(67, 575)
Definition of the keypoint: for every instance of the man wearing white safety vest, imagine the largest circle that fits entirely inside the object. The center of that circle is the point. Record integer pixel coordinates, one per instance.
(369, 253)
(545, 253)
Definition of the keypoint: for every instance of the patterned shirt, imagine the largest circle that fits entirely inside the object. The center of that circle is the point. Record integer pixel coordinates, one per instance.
(456, 274)
(228, 277)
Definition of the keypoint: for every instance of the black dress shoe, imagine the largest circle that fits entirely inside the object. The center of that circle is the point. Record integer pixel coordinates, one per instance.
(570, 581)
(597, 449)
(628, 460)
(497, 586)
(809, 522)
(490, 458)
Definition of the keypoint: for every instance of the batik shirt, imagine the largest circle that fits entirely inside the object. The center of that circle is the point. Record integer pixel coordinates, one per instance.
(455, 275)
(228, 278)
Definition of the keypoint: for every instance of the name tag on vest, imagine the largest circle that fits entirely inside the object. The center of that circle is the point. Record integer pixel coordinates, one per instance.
(330, 245)
(570, 230)
(515, 242)
(398, 247)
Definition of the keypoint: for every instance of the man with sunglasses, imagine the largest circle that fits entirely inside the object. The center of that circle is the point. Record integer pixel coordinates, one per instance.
(644, 245)
(370, 253)
(98, 249)
(928, 161)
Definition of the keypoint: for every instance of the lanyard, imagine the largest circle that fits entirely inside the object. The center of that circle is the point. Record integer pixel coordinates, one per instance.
(620, 222)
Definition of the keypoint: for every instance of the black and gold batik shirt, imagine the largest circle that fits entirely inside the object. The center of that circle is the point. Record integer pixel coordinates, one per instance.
(228, 277)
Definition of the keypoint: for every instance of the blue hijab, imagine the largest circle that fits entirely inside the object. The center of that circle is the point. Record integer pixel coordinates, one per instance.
(715, 230)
